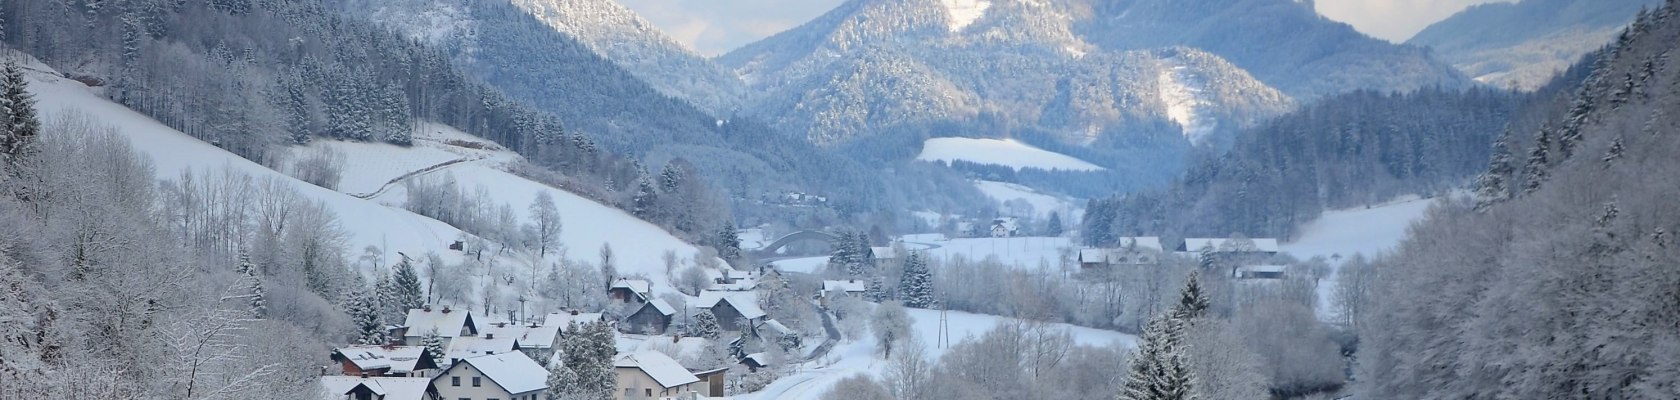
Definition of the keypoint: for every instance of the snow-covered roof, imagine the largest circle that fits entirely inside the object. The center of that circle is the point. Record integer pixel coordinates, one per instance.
(1143, 242)
(474, 346)
(661, 367)
(662, 307)
(745, 302)
(884, 252)
(845, 286)
(513, 371)
(442, 320)
(763, 360)
(777, 326)
(400, 359)
(335, 387)
(635, 285)
(529, 337)
(1270, 269)
(1268, 245)
(565, 319)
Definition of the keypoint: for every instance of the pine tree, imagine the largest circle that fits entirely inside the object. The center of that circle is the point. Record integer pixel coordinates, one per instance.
(1192, 302)
(670, 178)
(1495, 185)
(705, 325)
(876, 291)
(433, 344)
(1615, 152)
(563, 382)
(19, 126)
(367, 318)
(1159, 369)
(916, 286)
(1207, 258)
(1055, 226)
(405, 285)
(586, 354)
(1539, 159)
(643, 203)
(253, 284)
(729, 242)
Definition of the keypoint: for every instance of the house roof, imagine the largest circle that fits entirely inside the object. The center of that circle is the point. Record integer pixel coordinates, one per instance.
(745, 302)
(846, 286)
(1275, 269)
(635, 285)
(530, 337)
(335, 387)
(884, 252)
(444, 321)
(1268, 245)
(761, 359)
(513, 371)
(661, 367)
(400, 359)
(778, 327)
(474, 346)
(663, 307)
(565, 319)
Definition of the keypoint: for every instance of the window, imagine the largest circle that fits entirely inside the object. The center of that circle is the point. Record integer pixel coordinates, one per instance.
(476, 381)
(454, 381)
(628, 393)
(649, 392)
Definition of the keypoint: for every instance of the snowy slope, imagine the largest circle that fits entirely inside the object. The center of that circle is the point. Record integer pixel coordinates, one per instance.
(380, 221)
(1042, 204)
(964, 12)
(1358, 230)
(1183, 94)
(1008, 153)
(173, 152)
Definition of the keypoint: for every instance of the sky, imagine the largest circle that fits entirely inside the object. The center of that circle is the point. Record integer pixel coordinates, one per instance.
(714, 27)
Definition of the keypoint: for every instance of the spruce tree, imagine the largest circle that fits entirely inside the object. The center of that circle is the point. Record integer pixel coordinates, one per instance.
(1055, 226)
(705, 325)
(1192, 302)
(1617, 147)
(563, 383)
(405, 289)
(433, 344)
(253, 284)
(915, 288)
(1159, 369)
(19, 126)
(729, 243)
(876, 291)
(367, 319)
(1539, 159)
(1495, 185)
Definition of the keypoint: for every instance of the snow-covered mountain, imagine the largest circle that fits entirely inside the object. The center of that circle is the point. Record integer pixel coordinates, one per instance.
(1525, 44)
(874, 66)
(617, 33)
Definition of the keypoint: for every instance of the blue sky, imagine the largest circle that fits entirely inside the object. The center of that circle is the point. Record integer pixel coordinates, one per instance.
(714, 27)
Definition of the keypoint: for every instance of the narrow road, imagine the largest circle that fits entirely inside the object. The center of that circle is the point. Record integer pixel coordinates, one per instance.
(833, 333)
(423, 171)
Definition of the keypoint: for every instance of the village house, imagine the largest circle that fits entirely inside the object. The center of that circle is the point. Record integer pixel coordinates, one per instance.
(1004, 227)
(390, 361)
(732, 309)
(653, 318)
(1132, 251)
(377, 388)
(507, 376)
(626, 290)
(756, 361)
(711, 381)
(474, 346)
(832, 290)
(444, 322)
(730, 279)
(652, 375)
(565, 319)
(533, 339)
(1255, 246)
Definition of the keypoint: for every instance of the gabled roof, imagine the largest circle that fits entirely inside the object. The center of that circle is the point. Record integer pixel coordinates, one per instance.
(635, 285)
(1268, 245)
(661, 367)
(565, 319)
(445, 321)
(514, 372)
(777, 326)
(335, 387)
(662, 306)
(845, 286)
(529, 337)
(745, 302)
(400, 359)
(475, 346)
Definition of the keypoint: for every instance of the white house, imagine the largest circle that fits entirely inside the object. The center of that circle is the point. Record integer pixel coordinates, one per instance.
(1003, 227)
(376, 388)
(474, 346)
(731, 308)
(507, 376)
(446, 323)
(650, 374)
(837, 289)
(567, 318)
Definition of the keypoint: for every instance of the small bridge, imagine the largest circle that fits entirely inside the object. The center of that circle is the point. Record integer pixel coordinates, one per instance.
(800, 236)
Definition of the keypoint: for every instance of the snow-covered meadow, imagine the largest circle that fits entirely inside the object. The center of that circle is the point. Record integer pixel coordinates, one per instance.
(1008, 153)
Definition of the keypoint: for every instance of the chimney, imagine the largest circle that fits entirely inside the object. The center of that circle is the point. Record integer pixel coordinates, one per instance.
(445, 309)
(364, 375)
(574, 312)
(489, 336)
(676, 338)
(426, 307)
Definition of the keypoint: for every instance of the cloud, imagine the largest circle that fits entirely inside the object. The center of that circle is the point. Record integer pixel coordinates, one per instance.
(1393, 20)
(714, 27)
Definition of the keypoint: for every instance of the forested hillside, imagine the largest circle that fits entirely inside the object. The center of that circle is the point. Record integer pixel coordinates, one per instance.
(1524, 44)
(1354, 149)
(1562, 283)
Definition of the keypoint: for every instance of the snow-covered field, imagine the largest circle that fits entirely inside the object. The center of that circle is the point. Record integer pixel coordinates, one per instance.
(380, 221)
(1019, 252)
(1042, 204)
(964, 12)
(1008, 153)
(1182, 92)
(862, 356)
(1358, 230)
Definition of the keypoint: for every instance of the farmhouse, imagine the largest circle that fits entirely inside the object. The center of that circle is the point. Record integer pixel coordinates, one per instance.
(627, 290)
(1132, 251)
(377, 388)
(510, 376)
(390, 361)
(836, 289)
(651, 375)
(474, 346)
(447, 324)
(565, 319)
(732, 309)
(652, 319)
(1264, 246)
